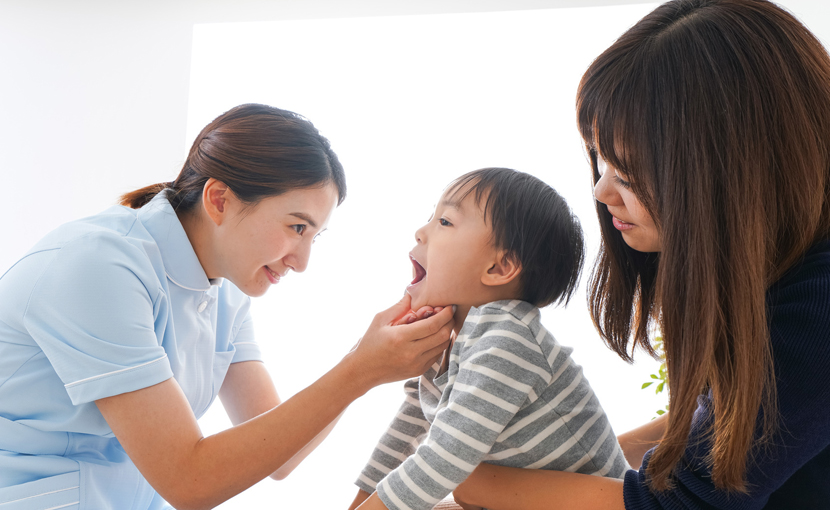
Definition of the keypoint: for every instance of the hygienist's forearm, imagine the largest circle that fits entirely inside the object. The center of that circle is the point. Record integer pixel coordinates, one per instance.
(503, 488)
(255, 449)
(295, 461)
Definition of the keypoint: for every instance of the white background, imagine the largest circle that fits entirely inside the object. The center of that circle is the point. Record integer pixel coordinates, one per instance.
(98, 98)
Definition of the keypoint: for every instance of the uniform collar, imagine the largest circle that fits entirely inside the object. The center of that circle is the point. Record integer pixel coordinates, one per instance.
(180, 261)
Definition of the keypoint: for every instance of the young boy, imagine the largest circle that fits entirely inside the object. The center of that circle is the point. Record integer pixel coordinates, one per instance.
(500, 245)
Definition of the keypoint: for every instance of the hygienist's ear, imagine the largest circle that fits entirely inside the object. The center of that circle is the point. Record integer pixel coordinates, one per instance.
(504, 270)
(215, 197)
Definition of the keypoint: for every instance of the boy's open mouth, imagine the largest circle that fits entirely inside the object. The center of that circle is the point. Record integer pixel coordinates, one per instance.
(418, 271)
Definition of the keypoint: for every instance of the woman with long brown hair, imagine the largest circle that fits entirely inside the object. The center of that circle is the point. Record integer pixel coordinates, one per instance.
(707, 126)
(118, 331)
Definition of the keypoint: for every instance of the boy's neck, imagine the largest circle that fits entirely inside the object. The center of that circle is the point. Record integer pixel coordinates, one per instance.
(460, 314)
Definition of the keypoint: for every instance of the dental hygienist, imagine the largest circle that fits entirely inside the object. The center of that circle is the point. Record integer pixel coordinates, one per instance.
(118, 331)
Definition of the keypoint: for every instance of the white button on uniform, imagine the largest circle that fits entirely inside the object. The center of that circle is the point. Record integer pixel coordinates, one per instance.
(202, 306)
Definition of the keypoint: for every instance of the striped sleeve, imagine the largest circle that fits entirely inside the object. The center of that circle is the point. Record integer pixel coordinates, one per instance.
(404, 434)
(498, 372)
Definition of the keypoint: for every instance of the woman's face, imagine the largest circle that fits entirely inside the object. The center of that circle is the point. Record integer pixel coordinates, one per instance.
(630, 217)
(260, 244)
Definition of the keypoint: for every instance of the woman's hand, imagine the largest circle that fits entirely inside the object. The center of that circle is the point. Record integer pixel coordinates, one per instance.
(394, 349)
(635, 443)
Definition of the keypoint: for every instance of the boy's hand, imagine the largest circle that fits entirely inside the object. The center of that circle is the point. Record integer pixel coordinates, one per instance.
(422, 313)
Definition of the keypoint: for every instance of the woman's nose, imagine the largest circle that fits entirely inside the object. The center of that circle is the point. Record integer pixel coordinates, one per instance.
(603, 190)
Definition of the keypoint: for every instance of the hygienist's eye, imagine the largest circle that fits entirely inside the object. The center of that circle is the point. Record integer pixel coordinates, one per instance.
(299, 228)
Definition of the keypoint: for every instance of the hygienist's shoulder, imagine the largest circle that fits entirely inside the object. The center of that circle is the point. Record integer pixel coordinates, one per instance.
(113, 237)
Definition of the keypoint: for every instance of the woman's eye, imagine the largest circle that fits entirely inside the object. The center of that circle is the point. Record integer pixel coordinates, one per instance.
(299, 228)
(444, 223)
(621, 182)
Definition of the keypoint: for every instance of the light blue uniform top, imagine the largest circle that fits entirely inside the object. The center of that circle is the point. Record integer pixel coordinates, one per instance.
(102, 306)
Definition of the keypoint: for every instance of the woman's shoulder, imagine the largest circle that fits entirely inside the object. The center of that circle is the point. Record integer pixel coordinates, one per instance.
(799, 326)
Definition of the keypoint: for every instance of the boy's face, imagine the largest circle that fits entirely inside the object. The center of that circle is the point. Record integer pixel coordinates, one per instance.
(454, 252)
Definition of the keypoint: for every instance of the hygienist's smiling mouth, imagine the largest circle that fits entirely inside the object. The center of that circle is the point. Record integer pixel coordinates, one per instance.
(273, 276)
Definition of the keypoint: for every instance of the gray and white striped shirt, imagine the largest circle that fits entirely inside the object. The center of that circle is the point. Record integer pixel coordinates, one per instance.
(511, 396)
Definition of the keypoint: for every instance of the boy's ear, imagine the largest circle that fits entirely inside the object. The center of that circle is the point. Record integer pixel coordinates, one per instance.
(215, 197)
(504, 270)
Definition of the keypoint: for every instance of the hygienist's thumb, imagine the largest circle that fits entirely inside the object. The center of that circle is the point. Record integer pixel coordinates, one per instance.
(397, 311)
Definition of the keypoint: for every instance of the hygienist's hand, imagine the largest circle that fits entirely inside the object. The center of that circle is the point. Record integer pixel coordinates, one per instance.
(422, 313)
(391, 352)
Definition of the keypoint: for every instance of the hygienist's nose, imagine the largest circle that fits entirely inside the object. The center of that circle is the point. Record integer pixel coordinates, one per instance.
(297, 260)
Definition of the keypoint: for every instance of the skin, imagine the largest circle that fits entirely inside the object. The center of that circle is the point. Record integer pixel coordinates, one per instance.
(503, 488)
(156, 425)
(614, 190)
(463, 266)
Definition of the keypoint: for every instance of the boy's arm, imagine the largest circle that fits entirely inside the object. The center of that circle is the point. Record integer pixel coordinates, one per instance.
(494, 380)
(398, 442)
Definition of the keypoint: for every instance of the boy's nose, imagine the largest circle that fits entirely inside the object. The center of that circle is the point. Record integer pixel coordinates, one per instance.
(420, 235)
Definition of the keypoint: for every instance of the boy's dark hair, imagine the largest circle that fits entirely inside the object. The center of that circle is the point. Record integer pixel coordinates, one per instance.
(534, 224)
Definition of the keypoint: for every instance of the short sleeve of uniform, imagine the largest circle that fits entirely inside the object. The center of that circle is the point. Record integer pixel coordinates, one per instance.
(235, 311)
(246, 348)
(93, 311)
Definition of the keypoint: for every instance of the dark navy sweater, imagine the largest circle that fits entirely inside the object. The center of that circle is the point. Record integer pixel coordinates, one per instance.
(795, 472)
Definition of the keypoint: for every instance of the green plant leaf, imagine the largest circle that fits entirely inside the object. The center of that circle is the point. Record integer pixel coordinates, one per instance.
(646, 385)
(654, 376)
(660, 412)
(659, 387)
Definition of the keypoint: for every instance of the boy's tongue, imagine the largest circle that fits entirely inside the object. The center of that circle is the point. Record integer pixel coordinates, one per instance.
(418, 271)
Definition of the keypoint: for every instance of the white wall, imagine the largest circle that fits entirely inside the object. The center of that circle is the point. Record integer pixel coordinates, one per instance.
(94, 101)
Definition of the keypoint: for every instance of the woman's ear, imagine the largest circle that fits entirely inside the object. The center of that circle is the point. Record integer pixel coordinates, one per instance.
(215, 197)
(504, 270)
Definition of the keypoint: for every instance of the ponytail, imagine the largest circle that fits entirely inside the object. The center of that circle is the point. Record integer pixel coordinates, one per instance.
(136, 199)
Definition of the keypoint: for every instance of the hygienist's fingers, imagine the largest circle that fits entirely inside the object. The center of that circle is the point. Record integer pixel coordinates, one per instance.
(441, 322)
(396, 312)
(409, 318)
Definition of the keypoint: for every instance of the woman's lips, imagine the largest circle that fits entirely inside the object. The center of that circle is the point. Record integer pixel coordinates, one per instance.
(621, 225)
(273, 277)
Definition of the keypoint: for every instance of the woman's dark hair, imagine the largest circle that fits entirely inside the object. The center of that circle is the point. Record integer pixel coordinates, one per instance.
(258, 151)
(534, 225)
(718, 112)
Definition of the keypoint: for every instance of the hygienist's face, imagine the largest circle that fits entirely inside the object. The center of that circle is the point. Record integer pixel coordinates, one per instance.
(259, 245)
(630, 217)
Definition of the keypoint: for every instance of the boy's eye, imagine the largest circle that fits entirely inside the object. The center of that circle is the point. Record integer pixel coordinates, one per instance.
(299, 228)
(444, 223)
